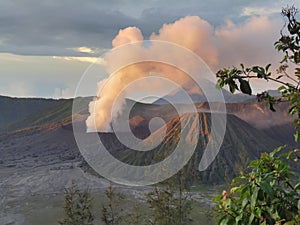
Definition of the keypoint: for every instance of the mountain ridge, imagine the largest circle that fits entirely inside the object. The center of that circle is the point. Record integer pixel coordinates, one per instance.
(242, 144)
(257, 114)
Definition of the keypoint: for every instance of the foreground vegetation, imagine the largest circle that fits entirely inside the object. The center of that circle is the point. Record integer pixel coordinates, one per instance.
(169, 203)
(270, 192)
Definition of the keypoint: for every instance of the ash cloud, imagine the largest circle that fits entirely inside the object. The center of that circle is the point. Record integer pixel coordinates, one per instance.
(225, 45)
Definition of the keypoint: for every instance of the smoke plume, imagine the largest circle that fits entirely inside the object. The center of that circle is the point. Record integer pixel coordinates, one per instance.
(222, 46)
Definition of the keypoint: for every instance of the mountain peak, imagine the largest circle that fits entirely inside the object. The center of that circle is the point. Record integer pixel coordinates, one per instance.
(241, 144)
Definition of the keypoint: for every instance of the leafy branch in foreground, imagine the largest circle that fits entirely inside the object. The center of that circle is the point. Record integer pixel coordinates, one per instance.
(270, 193)
(266, 195)
(289, 43)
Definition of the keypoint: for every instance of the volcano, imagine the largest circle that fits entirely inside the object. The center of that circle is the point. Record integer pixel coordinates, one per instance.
(242, 143)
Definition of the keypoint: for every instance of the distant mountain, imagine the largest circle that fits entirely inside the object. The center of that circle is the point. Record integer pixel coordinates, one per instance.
(14, 109)
(178, 96)
(196, 98)
(242, 143)
(257, 114)
(38, 112)
(16, 114)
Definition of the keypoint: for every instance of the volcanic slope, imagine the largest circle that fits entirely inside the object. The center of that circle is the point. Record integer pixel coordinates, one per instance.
(242, 143)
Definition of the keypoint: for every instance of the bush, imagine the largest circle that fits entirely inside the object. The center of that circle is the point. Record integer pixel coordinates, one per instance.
(266, 195)
(77, 207)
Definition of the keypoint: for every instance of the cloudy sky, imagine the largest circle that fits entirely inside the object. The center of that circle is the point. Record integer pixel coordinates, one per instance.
(46, 45)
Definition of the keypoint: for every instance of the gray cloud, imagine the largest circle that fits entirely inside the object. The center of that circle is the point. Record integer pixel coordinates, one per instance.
(49, 28)
(34, 27)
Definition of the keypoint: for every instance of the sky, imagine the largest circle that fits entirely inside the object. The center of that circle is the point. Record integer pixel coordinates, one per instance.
(47, 45)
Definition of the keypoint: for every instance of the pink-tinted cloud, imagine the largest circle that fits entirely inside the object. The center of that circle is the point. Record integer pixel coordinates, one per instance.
(193, 33)
(127, 35)
(250, 42)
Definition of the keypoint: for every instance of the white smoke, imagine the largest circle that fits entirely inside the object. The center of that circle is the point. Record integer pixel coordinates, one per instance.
(192, 32)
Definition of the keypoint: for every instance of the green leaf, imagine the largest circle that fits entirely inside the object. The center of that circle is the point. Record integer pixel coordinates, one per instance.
(267, 67)
(293, 109)
(297, 72)
(297, 57)
(277, 78)
(223, 220)
(257, 212)
(232, 85)
(251, 218)
(254, 163)
(245, 87)
(239, 218)
(253, 198)
(266, 187)
(244, 202)
(228, 203)
(297, 187)
(260, 72)
(281, 88)
(289, 223)
(297, 136)
(276, 150)
(242, 65)
(271, 106)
